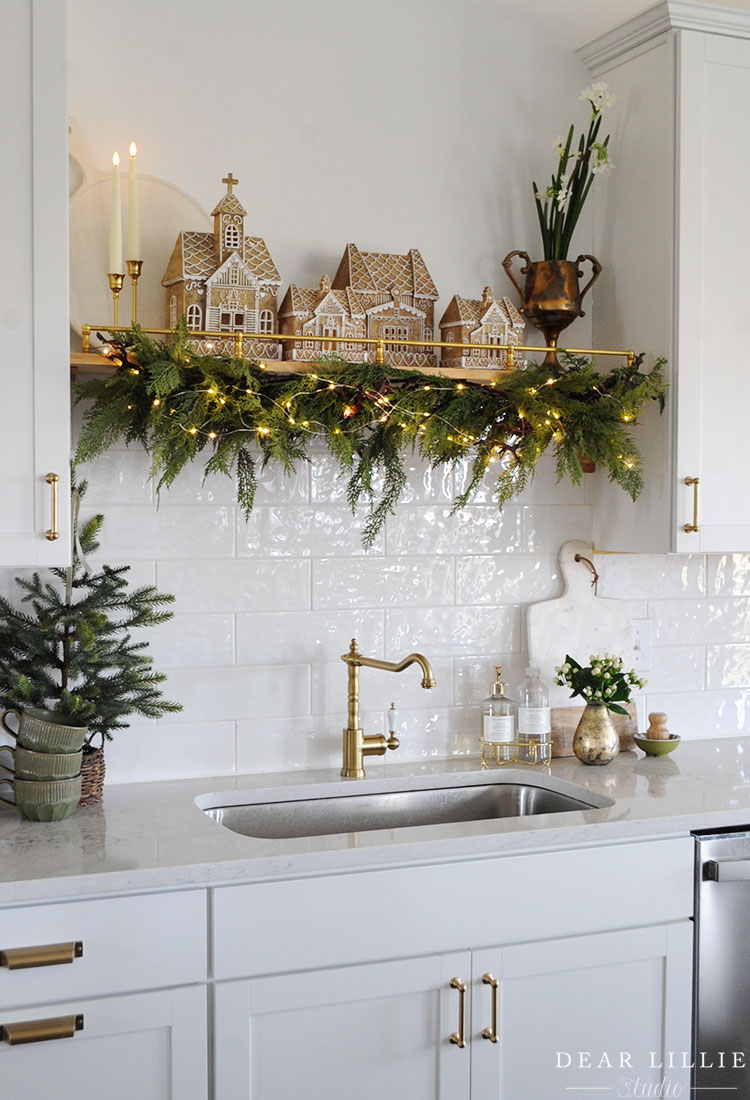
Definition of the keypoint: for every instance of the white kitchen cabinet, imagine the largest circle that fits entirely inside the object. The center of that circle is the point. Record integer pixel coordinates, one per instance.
(671, 235)
(148, 1045)
(34, 339)
(337, 985)
(374, 1031)
(133, 971)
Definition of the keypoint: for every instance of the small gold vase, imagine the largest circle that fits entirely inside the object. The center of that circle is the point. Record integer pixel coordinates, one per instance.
(596, 740)
(551, 296)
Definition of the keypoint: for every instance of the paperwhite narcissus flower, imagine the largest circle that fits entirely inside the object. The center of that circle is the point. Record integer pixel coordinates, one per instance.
(599, 96)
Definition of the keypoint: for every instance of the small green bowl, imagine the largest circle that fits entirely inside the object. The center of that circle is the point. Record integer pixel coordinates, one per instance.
(656, 748)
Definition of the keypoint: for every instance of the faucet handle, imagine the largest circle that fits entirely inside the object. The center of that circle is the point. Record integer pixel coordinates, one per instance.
(392, 714)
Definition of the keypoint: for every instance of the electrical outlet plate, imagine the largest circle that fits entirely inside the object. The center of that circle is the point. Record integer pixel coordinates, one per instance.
(642, 645)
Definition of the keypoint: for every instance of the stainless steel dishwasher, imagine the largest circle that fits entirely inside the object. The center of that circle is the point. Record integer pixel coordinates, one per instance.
(721, 1018)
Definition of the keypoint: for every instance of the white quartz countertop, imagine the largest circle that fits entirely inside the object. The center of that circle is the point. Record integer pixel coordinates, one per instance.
(153, 835)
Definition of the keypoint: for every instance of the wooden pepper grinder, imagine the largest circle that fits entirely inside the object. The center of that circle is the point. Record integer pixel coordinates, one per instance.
(657, 729)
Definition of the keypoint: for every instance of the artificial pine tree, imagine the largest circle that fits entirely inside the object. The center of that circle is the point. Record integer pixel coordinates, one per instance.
(72, 653)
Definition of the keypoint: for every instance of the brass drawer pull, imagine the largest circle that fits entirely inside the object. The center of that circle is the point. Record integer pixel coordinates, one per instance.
(54, 532)
(458, 1037)
(45, 954)
(491, 1032)
(690, 527)
(41, 1031)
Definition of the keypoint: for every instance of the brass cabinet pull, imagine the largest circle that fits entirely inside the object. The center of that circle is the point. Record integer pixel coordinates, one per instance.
(54, 532)
(45, 954)
(690, 527)
(41, 1031)
(491, 1032)
(458, 1037)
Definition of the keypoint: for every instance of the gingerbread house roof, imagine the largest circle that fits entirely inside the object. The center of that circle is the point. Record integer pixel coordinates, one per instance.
(229, 204)
(193, 257)
(381, 272)
(471, 311)
(305, 299)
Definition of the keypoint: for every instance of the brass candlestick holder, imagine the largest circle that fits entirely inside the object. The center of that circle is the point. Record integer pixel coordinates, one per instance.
(115, 285)
(134, 271)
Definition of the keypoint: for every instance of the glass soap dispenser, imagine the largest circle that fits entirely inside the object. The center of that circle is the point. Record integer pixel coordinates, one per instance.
(498, 724)
(534, 720)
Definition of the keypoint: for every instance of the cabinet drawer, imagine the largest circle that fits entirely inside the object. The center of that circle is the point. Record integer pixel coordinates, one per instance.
(334, 920)
(141, 942)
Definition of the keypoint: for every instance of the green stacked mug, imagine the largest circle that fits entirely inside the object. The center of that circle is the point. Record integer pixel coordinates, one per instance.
(46, 781)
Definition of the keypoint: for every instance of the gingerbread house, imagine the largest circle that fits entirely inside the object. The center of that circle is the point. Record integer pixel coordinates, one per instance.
(379, 295)
(487, 321)
(224, 282)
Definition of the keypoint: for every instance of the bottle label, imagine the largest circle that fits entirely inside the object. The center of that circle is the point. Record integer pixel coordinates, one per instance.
(498, 727)
(534, 720)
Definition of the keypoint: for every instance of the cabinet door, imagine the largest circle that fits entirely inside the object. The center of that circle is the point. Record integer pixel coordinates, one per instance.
(375, 1031)
(150, 1046)
(713, 317)
(595, 1012)
(34, 339)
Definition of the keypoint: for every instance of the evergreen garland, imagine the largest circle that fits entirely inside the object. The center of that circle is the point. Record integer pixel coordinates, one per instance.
(72, 652)
(178, 403)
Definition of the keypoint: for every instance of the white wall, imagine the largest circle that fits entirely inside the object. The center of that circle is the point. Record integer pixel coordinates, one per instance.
(390, 124)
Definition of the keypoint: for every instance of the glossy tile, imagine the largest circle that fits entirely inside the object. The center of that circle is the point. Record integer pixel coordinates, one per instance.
(727, 666)
(226, 694)
(651, 576)
(547, 527)
(515, 578)
(240, 585)
(449, 631)
(290, 744)
(123, 477)
(303, 532)
(695, 622)
(296, 637)
(475, 529)
(676, 668)
(133, 532)
(728, 574)
(171, 750)
(543, 489)
(192, 641)
(382, 582)
(699, 714)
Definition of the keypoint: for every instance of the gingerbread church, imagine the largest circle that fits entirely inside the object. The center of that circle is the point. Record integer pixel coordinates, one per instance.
(224, 282)
(380, 295)
(487, 321)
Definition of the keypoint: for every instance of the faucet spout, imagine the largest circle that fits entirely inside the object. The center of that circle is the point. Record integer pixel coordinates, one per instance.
(356, 744)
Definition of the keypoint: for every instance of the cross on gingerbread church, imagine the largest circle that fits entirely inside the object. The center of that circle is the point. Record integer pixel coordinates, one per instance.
(230, 182)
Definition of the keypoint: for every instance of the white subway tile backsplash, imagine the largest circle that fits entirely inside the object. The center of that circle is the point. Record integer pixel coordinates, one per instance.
(266, 606)
(447, 631)
(638, 576)
(193, 641)
(695, 622)
(236, 585)
(303, 532)
(728, 574)
(136, 532)
(229, 694)
(727, 666)
(475, 529)
(497, 579)
(295, 637)
(382, 582)
(176, 749)
(547, 527)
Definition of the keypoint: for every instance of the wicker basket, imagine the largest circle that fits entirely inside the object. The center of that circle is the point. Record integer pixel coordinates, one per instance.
(92, 776)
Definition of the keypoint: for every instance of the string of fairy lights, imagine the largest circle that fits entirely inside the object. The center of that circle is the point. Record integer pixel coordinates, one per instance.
(497, 440)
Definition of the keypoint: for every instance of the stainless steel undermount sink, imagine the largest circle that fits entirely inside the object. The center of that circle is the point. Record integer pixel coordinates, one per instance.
(443, 801)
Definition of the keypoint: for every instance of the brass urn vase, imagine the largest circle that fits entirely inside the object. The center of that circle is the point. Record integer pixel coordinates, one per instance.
(551, 296)
(596, 740)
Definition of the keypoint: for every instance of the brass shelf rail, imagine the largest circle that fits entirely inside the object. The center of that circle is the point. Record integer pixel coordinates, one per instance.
(380, 344)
